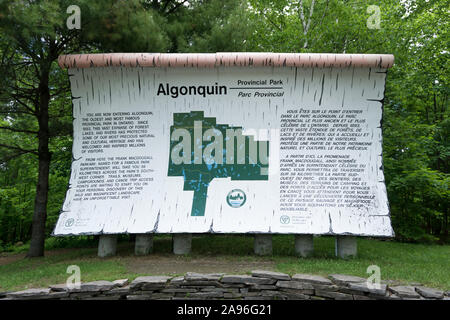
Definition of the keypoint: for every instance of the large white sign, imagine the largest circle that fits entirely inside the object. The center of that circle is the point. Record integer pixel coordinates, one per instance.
(227, 150)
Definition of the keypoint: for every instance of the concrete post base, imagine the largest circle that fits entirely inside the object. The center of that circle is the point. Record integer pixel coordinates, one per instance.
(182, 243)
(346, 247)
(107, 245)
(263, 244)
(143, 244)
(304, 245)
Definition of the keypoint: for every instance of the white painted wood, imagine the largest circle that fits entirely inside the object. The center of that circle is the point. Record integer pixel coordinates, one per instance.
(164, 207)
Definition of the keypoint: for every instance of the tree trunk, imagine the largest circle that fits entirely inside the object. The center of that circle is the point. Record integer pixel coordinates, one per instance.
(40, 202)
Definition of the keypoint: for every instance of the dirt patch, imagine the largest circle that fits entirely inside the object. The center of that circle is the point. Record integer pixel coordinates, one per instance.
(164, 265)
(10, 258)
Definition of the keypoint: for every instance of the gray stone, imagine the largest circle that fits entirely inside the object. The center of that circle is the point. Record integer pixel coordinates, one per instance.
(200, 284)
(258, 298)
(94, 286)
(405, 291)
(297, 296)
(121, 283)
(263, 287)
(273, 294)
(139, 297)
(119, 291)
(149, 282)
(161, 296)
(342, 279)
(346, 247)
(182, 243)
(82, 295)
(200, 276)
(304, 245)
(361, 297)
(58, 295)
(231, 295)
(111, 297)
(107, 245)
(305, 288)
(179, 290)
(300, 293)
(270, 275)
(29, 294)
(362, 287)
(311, 279)
(206, 295)
(325, 287)
(263, 244)
(177, 280)
(430, 292)
(143, 244)
(246, 279)
(62, 287)
(251, 294)
(334, 295)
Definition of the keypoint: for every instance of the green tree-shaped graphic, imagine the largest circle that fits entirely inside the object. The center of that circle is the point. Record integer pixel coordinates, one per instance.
(198, 169)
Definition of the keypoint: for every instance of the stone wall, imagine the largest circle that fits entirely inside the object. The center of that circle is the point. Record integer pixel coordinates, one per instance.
(261, 285)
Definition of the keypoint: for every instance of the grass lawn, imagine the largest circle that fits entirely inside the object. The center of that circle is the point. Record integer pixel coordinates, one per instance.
(408, 263)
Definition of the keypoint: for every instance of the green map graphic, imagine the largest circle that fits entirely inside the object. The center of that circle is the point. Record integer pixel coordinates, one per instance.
(197, 177)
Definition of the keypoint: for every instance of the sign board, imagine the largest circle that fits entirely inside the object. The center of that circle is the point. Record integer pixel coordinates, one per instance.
(226, 143)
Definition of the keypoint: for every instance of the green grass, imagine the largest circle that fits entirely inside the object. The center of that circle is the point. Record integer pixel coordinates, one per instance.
(427, 264)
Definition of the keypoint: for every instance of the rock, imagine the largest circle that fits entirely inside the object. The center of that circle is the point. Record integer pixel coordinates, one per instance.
(325, 287)
(405, 291)
(273, 294)
(311, 279)
(62, 287)
(430, 293)
(205, 295)
(231, 295)
(139, 297)
(177, 280)
(362, 287)
(119, 291)
(149, 282)
(270, 275)
(301, 287)
(29, 294)
(246, 279)
(179, 290)
(200, 276)
(199, 284)
(334, 295)
(342, 279)
(263, 287)
(94, 286)
(113, 297)
(58, 295)
(121, 282)
(293, 294)
(359, 297)
(161, 296)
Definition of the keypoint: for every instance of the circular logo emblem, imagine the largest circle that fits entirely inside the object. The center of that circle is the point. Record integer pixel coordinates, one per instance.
(285, 219)
(69, 222)
(236, 198)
